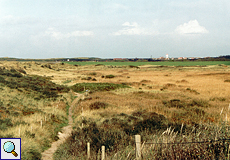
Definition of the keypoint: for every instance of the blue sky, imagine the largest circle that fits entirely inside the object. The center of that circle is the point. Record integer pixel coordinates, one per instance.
(114, 28)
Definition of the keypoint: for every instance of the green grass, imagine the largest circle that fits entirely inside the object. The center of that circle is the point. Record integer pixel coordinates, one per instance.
(164, 63)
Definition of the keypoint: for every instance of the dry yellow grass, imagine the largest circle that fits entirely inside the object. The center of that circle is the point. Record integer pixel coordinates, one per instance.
(150, 86)
(165, 83)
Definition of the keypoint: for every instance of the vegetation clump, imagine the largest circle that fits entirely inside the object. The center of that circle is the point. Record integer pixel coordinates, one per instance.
(177, 103)
(98, 105)
(117, 134)
(109, 76)
(42, 86)
(5, 123)
(79, 87)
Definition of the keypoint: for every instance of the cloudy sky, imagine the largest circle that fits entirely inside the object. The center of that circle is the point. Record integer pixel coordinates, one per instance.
(114, 28)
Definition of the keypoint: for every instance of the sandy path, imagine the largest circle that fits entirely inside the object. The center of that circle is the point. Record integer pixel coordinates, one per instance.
(66, 131)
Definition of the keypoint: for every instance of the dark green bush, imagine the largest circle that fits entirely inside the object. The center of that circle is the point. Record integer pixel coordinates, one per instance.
(109, 76)
(41, 85)
(29, 134)
(98, 105)
(14, 113)
(20, 123)
(199, 103)
(176, 103)
(79, 87)
(31, 154)
(5, 123)
(22, 71)
(93, 74)
(28, 111)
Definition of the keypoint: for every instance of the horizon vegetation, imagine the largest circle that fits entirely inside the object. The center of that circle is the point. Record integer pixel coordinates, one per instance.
(158, 63)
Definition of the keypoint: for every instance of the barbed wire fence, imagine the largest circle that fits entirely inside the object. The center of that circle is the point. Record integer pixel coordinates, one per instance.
(154, 147)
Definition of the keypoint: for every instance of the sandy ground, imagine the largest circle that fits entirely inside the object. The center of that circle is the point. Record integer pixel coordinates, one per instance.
(66, 131)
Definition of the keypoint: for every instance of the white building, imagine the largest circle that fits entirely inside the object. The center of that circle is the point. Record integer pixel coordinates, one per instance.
(167, 56)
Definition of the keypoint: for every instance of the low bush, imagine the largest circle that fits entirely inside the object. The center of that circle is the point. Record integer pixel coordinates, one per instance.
(199, 103)
(79, 87)
(109, 76)
(192, 91)
(98, 105)
(31, 153)
(93, 73)
(5, 123)
(176, 103)
(28, 111)
(41, 86)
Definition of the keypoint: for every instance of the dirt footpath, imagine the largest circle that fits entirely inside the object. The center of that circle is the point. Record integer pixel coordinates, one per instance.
(66, 131)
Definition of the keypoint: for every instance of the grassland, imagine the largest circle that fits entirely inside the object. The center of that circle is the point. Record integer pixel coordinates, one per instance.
(160, 63)
(162, 103)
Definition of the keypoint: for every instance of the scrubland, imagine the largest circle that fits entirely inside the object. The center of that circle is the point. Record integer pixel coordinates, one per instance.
(161, 103)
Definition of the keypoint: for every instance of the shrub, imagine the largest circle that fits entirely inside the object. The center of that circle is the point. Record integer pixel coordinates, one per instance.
(192, 91)
(28, 111)
(2, 79)
(86, 78)
(5, 123)
(42, 85)
(109, 76)
(29, 134)
(176, 103)
(93, 74)
(22, 71)
(98, 105)
(79, 87)
(31, 153)
(199, 103)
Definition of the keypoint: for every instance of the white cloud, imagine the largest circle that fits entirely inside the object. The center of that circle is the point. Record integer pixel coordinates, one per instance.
(132, 29)
(192, 27)
(59, 35)
(134, 24)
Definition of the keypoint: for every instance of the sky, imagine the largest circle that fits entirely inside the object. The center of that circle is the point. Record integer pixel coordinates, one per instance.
(114, 28)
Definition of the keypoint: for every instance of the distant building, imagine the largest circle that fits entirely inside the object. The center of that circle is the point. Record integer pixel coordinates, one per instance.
(119, 59)
(181, 58)
(167, 56)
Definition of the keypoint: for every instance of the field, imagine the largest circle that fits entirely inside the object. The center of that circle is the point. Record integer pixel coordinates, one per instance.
(169, 102)
(161, 63)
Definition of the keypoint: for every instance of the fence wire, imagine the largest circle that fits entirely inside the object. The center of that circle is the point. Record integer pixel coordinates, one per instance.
(211, 141)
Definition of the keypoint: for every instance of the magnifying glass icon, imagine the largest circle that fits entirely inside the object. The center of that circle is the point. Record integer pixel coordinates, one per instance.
(9, 147)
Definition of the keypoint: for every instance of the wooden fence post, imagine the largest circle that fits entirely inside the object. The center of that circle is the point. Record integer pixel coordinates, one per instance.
(138, 146)
(88, 150)
(103, 153)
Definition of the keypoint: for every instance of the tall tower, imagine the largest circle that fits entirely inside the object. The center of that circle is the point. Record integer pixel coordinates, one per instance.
(167, 56)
